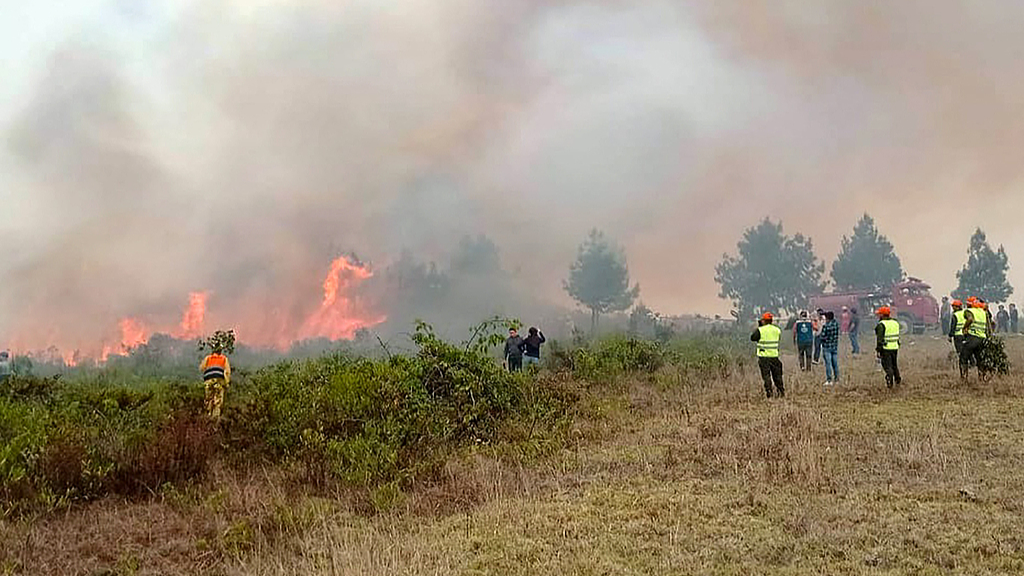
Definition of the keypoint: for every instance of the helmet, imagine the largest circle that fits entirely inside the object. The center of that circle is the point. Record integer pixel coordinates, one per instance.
(884, 311)
(957, 303)
(766, 316)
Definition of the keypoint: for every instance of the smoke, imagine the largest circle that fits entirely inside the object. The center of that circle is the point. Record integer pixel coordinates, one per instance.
(238, 147)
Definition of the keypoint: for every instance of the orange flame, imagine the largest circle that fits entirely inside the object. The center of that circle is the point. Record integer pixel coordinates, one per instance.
(338, 316)
(194, 318)
(133, 333)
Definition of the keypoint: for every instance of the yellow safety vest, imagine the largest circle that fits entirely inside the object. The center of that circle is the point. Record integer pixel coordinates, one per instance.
(979, 327)
(768, 344)
(961, 319)
(892, 335)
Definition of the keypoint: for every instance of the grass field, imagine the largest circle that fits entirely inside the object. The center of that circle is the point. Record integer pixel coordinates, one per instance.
(657, 475)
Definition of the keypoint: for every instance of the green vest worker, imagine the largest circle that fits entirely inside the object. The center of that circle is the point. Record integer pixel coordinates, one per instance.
(887, 345)
(975, 331)
(956, 327)
(768, 337)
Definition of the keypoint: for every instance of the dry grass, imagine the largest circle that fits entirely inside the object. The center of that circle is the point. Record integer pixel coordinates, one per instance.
(662, 477)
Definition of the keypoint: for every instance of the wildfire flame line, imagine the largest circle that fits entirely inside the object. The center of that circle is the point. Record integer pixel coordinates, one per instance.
(339, 315)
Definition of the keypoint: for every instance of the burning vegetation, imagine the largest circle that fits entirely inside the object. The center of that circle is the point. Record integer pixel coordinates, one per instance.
(340, 313)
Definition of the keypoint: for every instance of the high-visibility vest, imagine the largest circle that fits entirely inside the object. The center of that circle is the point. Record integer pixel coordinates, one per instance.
(892, 334)
(960, 319)
(215, 366)
(768, 343)
(979, 327)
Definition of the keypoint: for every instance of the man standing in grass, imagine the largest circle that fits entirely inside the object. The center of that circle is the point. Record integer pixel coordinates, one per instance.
(514, 351)
(946, 314)
(768, 337)
(1014, 319)
(803, 337)
(216, 377)
(1003, 320)
(819, 323)
(956, 327)
(976, 332)
(854, 331)
(887, 345)
(531, 347)
(830, 348)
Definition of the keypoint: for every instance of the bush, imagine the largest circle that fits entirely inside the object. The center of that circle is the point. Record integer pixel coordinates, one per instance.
(373, 421)
(608, 358)
(994, 358)
(361, 421)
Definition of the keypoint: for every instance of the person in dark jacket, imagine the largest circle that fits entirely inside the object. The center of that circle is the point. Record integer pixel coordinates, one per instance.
(1014, 319)
(956, 327)
(514, 351)
(803, 337)
(830, 348)
(531, 346)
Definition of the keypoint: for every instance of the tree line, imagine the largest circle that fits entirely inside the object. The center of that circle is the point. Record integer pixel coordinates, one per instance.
(772, 271)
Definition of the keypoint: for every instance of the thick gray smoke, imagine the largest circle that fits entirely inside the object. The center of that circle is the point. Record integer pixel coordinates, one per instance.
(237, 147)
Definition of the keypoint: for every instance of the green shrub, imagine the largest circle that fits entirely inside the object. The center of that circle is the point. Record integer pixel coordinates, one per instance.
(361, 421)
(993, 356)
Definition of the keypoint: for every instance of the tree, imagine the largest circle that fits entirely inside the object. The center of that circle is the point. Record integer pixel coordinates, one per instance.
(984, 275)
(599, 278)
(476, 256)
(867, 260)
(772, 272)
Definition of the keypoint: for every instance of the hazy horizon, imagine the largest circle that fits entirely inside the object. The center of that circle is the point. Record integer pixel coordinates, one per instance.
(237, 147)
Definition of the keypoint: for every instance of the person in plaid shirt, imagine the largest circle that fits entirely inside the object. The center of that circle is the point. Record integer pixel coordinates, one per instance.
(830, 348)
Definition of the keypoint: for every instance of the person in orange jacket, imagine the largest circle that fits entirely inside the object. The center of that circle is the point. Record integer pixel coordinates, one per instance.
(216, 377)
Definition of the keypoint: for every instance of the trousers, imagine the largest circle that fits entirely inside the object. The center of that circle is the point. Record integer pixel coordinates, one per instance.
(831, 356)
(891, 364)
(215, 388)
(970, 350)
(771, 371)
(803, 350)
(515, 363)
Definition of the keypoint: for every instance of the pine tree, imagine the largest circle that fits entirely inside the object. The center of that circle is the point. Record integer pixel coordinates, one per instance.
(772, 272)
(984, 275)
(867, 260)
(599, 278)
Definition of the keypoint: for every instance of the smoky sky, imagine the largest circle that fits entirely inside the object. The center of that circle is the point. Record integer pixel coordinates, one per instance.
(237, 147)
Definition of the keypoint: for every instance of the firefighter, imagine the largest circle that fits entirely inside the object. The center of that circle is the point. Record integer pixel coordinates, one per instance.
(768, 337)
(956, 326)
(887, 345)
(976, 331)
(216, 377)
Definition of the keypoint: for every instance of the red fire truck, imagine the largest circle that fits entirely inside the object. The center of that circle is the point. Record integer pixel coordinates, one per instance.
(911, 302)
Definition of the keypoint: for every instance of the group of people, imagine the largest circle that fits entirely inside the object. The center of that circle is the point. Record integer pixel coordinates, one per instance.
(519, 350)
(823, 335)
(969, 327)
(1006, 321)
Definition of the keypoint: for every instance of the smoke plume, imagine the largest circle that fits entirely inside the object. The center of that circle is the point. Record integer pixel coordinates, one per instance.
(235, 149)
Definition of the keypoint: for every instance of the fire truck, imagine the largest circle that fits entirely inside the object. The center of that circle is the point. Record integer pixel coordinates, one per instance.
(911, 301)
